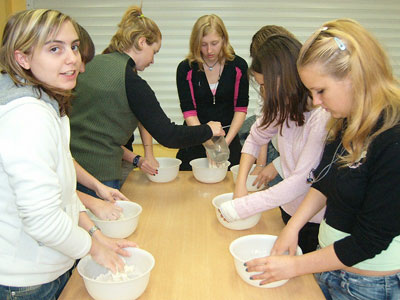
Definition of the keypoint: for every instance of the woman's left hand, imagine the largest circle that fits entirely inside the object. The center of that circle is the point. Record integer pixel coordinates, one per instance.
(266, 175)
(105, 210)
(115, 245)
(109, 194)
(272, 268)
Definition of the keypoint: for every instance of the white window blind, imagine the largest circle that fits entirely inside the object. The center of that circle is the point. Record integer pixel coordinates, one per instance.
(242, 19)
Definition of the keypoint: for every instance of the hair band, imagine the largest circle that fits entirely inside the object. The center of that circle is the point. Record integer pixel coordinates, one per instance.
(340, 44)
(141, 16)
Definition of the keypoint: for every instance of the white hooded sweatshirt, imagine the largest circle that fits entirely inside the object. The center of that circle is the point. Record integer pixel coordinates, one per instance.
(39, 208)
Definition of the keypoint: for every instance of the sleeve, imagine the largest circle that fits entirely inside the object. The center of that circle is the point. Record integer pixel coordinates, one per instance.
(242, 93)
(258, 137)
(185, 89)
(294, 185)
(148, 111)
(278, 166)
(378, 221)
(36, 183)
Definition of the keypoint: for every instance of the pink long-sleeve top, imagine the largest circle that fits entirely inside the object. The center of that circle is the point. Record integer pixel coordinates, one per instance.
(300, 149)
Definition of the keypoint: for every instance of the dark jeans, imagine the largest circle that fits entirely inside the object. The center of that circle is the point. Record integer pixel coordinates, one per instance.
(245, 129)
(116, 184)
(46, 291)
(308, 235)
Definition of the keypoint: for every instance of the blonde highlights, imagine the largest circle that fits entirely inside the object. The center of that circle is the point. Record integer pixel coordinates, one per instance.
(132, 27)
(203, 26)
(26, 31)
(344, 49)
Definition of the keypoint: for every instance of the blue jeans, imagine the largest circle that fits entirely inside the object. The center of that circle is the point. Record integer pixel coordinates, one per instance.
(344, 285)
(245, 129)
(115, 184)
(46, 291)
(272, 153)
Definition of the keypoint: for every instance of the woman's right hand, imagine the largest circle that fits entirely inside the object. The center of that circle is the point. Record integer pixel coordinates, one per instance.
(287, 241)
(149, 165)
(267, 174)
(216, 128)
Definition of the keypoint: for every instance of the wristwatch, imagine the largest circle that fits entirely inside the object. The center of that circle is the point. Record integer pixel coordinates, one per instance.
(93, 229)
(135, 162)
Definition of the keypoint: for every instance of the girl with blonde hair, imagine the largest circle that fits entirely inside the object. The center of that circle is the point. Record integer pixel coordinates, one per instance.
(349, 74)
(112, 100)
(44, 226)
(212, 85)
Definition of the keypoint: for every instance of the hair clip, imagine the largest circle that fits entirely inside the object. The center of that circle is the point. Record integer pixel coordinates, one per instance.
(324, 28)
(340, 44)
(141, 16)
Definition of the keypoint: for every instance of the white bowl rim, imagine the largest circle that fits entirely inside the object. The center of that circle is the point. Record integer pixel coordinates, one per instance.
(203, 158)
(130, 279)
(177, 160)
(246, 237)
(235, 169)
(220, 195)
(124, 219)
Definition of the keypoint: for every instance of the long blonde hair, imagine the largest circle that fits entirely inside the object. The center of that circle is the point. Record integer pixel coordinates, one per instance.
(25, 31)
(345, 49)
(132, 27)
(203, 26)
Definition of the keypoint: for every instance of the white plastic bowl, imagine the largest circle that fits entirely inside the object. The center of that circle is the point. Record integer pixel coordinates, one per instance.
(124, 226)
(129, 289)
(250, 179)
(203, 173)
(167, 171)
(236, 225)
(253, 246)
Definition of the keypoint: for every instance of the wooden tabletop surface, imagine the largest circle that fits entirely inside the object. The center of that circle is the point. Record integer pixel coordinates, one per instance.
(178, 226)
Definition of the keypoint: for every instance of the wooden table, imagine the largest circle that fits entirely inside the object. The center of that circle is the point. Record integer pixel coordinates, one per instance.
(179, 227)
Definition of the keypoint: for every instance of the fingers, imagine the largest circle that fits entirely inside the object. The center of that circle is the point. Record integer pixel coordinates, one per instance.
(117, 195)
(216, 128)
(222, 216)
(292, 251)
(252, 264)
(123, 243)
(148, 168)
(117, 264)
(118, 208)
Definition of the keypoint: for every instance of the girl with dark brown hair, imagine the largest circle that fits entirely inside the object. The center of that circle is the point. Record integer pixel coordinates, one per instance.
(287, 112)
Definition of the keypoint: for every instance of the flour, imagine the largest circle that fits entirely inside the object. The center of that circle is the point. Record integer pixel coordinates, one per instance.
(129, 272)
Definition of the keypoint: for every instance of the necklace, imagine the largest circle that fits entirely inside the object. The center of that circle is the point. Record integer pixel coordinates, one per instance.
(214, 91)
(313, 179)
(211, 67)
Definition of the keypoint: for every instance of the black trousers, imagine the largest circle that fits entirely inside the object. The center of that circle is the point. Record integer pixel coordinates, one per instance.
(188, 154)
(308, 235)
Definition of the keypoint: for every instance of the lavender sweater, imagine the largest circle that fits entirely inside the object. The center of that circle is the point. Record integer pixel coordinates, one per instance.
(300, 149)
